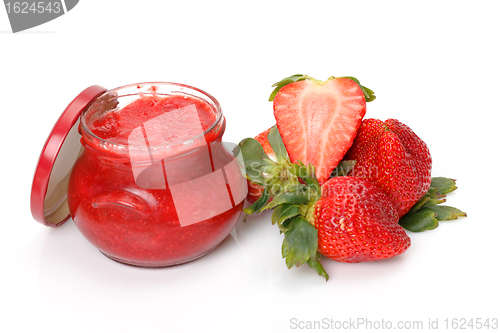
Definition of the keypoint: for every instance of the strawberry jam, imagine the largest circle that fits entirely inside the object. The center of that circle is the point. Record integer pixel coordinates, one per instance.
(154, 185)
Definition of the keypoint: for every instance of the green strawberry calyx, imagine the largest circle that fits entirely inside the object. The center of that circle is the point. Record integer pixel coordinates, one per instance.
(426, 214)
(367, 92)
(291, 191)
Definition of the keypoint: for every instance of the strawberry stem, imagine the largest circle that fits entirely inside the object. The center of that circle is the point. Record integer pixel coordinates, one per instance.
(284, 82)
(425, 214)
(367, 92)
(291, 190)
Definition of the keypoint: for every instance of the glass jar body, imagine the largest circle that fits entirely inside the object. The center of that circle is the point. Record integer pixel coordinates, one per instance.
(155, 207)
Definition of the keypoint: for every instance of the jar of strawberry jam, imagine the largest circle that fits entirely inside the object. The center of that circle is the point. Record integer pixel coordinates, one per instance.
(153, 185)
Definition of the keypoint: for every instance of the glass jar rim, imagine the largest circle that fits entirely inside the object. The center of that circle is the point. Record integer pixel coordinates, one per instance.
(187, 88)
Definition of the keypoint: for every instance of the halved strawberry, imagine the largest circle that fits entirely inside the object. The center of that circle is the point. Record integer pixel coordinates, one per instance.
(318, 120)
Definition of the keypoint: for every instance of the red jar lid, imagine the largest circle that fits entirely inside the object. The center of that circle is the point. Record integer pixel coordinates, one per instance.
(49, 204)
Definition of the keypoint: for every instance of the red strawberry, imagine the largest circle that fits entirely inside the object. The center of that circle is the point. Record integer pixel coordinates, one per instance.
(347, 219)
(262, 138)
(357, 222)
(391, 156)
(319, 120)
(254, 190)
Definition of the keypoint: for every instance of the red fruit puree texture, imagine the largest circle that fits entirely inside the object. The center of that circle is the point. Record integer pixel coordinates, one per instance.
(117, 126)
(145, 201)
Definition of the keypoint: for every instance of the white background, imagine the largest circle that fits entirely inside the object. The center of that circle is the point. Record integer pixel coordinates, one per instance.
(434, 65)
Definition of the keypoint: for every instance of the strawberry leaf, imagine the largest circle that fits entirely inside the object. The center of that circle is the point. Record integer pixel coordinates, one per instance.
(251, 150)
(434, 198)
(369, 94)
(284, 212)
(276, 143)
(284, 82)
(250, 153)
(316, 265)
(419, 221)
(426, 213)
(443, 185)
(445, 213)
(295, 195)
(257, 205)
(308, 176)
(433, 202)
(433, 193)
(300, 243)
(423, 200)
(431, 198)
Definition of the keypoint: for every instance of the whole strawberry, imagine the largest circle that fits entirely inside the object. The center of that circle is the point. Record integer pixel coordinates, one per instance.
(357, 222)
(255, 190)
(262, 139)
(391, 156)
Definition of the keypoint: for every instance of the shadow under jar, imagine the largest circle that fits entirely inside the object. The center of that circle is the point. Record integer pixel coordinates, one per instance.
(154, 185)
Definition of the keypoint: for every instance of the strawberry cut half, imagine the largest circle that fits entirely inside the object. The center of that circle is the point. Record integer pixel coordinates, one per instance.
(318, 120)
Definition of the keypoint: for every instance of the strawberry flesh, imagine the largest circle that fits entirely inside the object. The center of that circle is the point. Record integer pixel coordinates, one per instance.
(318, 121)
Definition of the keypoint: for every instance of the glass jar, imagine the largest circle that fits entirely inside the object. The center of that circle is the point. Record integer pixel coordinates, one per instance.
(155, 186)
